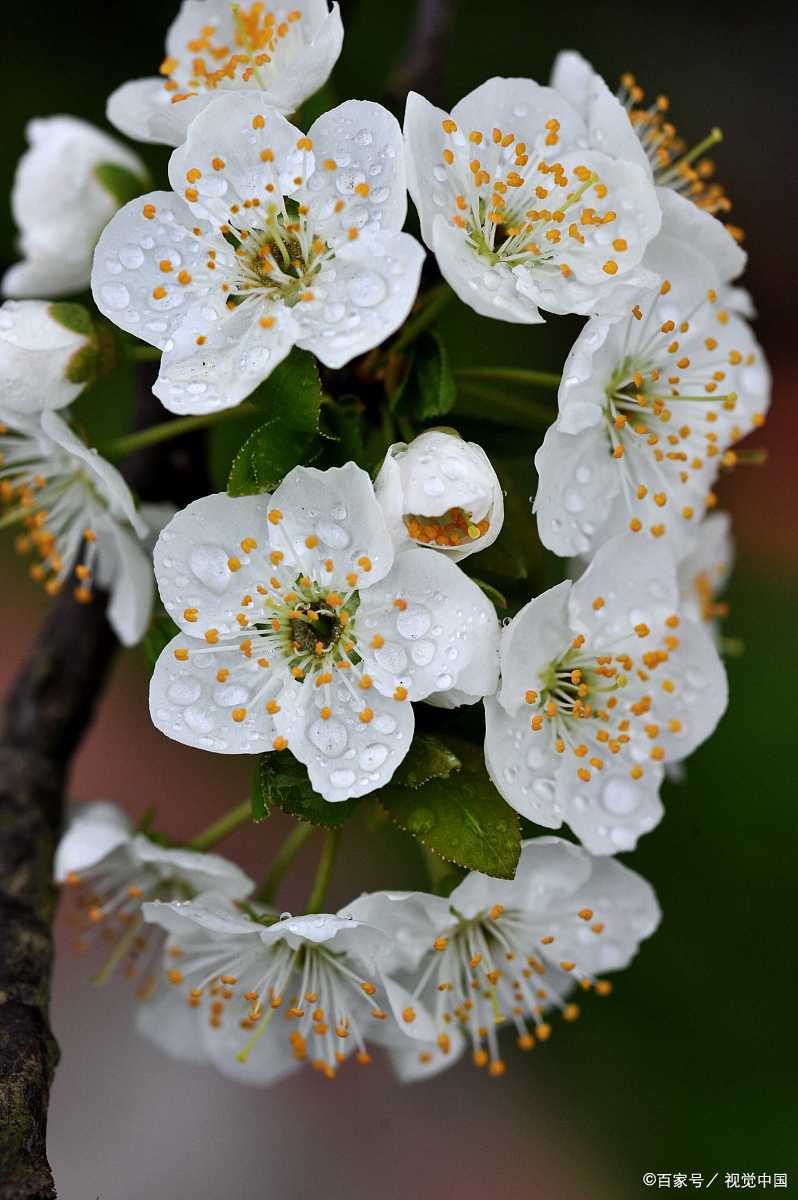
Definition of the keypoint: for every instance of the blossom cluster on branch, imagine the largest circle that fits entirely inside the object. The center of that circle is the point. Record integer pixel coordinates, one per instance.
(365, 585)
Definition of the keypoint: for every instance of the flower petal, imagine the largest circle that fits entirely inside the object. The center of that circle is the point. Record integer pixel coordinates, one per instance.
(359, 159)
(491, 290)
(94, 831)
(430, 185)
(357, 748)
(636, 583)
(536, 637)
(610, 814)
(172, 1026)
(310, 69)
(200, 561)
(193, 700)
(202, 872)
(608, 124)
(427, 619)
(522, 763)
(361, 298)
(578, 490)
(332, 517)
(131, 585)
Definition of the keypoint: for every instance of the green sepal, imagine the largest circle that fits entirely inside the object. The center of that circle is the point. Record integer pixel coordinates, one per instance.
(124, 185)
(73, 317)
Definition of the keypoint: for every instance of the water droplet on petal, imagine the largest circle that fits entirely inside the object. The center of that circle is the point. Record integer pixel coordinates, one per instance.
(209, 565)
(115, 296)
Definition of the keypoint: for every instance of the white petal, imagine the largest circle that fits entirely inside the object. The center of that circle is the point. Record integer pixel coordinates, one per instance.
(310, 69)
(202, 872)
(414, 1061)
(364, 142)
(426, 176)
(696, 232)
(193, 555)
(477, 680)
(271, 1059)
(708, 566)
(536, 637)
(389, 493)
(572, 76)
(336, 511)
(412, 921)
(578, 484)
(143, 109)
(127, 272)
(522, 763)
(432, 634)
(609, 127)
(172, 1025)
(189, 704)
(610, 813)
(520, 106)
(132, 586)
(237, 354)
(345, 755)
(230, 129)
(702, 692)
(491, 290)
(94, 832)
(212, 912)
(361, 298)
(636, 583)
(35, 352)
(549, 871)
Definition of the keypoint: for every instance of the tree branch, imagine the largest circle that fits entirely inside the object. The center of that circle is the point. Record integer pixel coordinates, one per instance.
(421, 69)
(46, 714)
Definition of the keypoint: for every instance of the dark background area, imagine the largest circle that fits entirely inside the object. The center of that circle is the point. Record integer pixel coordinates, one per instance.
(690, 1065)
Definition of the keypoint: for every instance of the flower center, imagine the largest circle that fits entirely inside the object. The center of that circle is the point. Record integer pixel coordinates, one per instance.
(280, 258)
(518, 207)
(500, 966)
(454, 528)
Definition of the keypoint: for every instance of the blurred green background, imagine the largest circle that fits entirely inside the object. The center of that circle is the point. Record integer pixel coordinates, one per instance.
(690, 1066)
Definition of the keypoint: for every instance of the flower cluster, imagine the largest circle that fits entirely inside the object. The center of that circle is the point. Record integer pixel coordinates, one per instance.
(327, 612)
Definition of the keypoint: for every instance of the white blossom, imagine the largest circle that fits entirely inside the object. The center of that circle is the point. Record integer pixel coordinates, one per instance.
(704, 573)
(272, 238)
(115, 870)
(43, 355)
(442, 492)
(301, 628)
(521, 211)
(501, 952)
(650, 405)
(604, 682)
(61, 204)
(279, 54)
(77, 515)
(256, 997)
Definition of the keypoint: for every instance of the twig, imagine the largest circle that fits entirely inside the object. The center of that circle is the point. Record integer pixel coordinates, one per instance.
(421, 69)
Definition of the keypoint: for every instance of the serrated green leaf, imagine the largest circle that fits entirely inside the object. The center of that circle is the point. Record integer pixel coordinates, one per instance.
(292, 392)
(122, 184)
(286, 785)
(160, 633)
(462, 819)
(428, 389)
(267, 456)
(427, 758)
(261, 804)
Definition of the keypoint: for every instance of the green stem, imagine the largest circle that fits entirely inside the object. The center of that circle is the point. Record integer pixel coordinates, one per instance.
(324, 872)
(546, 379)
(483, 403)
(282, 861)
(231, 821)
(142, 354)
(433, 302)
(163, 432)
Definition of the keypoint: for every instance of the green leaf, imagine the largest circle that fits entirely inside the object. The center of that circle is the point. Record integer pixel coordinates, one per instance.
(462, 819)
(428, 389)
(122, 184)
(345, 423)
(160, 633)
(290, 399)
(261, 803)
(428, 758)
(74, 317)
(83, 365)
(285, 784)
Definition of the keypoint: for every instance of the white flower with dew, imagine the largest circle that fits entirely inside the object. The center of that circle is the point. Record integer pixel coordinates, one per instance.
(441, 491)
(257, 997)
(499, 952)
(61, 201)
(650, 406)
(272, 238)
(280, 54)
(604, 682)
(47, 352)
(520, 211)
(114, 870)
(302, 629)
(77, 516)
(704, 573)
(611, 119)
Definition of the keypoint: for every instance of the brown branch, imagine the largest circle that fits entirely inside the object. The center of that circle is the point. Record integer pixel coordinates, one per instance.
(47, 712)
(421, 69)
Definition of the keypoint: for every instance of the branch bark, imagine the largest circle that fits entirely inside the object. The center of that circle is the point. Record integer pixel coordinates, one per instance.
(421, 69)
(47, 712)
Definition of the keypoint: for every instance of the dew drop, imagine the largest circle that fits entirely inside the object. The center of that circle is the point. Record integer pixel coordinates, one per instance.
(184, 691)
(115, 296)
(131, 257)
(230, 695)
(367, 289)
(198, 720)
(391, 658)
(413, 622)
(329, 737)
(620, 797)
(209, 565)
(342, 778)
(422, 653)
(373, 756)
(333, 535)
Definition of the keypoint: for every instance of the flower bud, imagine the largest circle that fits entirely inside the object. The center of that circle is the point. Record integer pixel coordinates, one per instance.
(68, 185)
(441, 491)
(48, 353)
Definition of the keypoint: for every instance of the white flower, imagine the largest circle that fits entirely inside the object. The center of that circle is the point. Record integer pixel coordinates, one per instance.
(650, 405)
(604, 682)
(44, 354)
(256, 1000)
(704, 573)
(441, 491)
(115, 870)
(521, 213)
(279, 54)
(274, 239)
(75, 508)
(614, 122)
(506, 952)
(61, 204)
(301, 629)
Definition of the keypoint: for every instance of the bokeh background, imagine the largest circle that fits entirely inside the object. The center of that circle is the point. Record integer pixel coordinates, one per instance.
(690, 1065)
